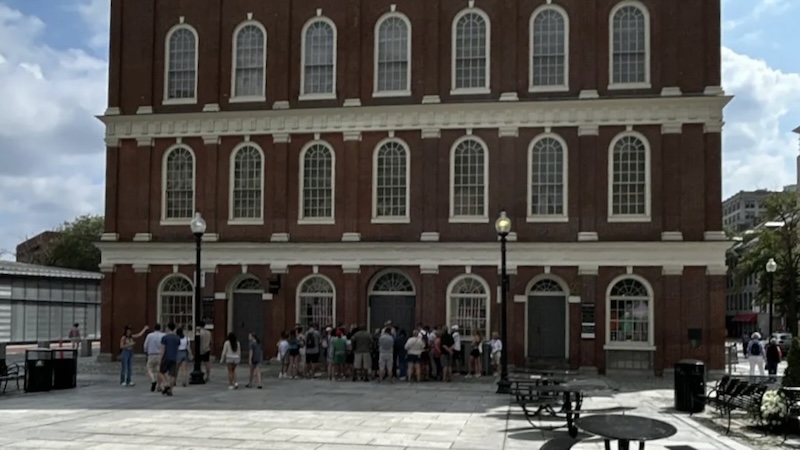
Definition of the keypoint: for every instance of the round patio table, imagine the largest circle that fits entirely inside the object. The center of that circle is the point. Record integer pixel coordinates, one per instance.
(625, 428)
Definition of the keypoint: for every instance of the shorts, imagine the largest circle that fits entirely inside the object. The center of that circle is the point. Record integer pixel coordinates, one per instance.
(458, 355)
(412, 359)
(496, 358)
(169, 367)
(312, 358)
(205, 357)
(362, 361)
(255, 363)
(385, 361)
(475, 353)
(232, 360)
(446, 360)
(183, 355)
(294, 352)
(339, 358)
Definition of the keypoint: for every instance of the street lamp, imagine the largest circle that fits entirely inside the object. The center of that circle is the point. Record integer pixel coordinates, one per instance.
(772, 266)
(503, 226)
(198, 226)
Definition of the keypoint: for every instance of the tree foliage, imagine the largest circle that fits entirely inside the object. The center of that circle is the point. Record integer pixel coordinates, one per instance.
(778, 242)
(74, 247)
(791, 377)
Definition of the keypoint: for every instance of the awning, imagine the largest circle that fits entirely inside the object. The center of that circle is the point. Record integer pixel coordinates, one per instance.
(746, 317)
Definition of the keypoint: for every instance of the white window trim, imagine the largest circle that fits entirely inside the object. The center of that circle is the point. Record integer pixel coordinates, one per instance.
(407, 91)
(470, 91)
(371, 291)
(231, 185)
(247, 98)
(318, 96)
(298, 292)
(160, 299)
(644, 346)
(390, 219)
(565, 164)
(300, 195)
(647, 43)
(469, 219)
(555, 88)
(181, 101)
(164, 219)
(648, 207)
(449, 306)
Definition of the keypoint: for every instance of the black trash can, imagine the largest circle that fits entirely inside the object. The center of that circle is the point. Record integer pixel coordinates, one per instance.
(38, 370)
(65, 369)
(690, 385)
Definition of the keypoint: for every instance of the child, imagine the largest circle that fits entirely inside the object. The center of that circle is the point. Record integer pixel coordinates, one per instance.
(497, 350)
(283, 355)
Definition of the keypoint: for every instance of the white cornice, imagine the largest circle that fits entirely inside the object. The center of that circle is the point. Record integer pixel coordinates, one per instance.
(490, 115)
(582, 254)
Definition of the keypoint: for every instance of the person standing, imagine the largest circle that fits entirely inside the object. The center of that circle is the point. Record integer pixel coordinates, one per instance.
(400, 353)
(152, 348)
(231, 357)
(385, 354)
(312, 350)
(75, 336)
(362, 346)
(458, 357)
(774, 357)
(184, 356)
(170, 343)
(446, 343)
(256, 356)
(205, 348)
(756, 354)
(126, 344)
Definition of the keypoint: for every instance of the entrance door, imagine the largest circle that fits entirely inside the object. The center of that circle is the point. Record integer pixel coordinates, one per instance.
(248, 317)
(547, 327)
(397, 308)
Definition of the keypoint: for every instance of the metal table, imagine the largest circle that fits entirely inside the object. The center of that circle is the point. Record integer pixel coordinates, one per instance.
(625, 428)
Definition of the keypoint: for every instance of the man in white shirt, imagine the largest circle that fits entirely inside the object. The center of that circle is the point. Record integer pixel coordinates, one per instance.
(457, 355)
(152, 348)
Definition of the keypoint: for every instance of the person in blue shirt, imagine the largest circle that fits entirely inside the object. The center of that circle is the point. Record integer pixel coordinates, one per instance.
(170, 343)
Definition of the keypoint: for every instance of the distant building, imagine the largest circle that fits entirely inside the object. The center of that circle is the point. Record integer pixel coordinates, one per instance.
(743, 210)
(33, 250)
(39, 303)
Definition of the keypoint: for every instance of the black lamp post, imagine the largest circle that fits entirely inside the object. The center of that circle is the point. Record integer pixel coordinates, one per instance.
(198, 226)
(503, 227)
(772, 266)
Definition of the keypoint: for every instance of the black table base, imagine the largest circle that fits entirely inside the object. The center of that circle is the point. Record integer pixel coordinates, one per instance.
(623, 445)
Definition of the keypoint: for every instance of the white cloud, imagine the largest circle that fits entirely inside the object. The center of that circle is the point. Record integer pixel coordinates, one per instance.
(758, 149)
(51, 146)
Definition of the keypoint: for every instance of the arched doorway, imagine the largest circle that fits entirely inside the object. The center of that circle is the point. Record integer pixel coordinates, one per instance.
(247, 311)
(392, 297)
(547, 322)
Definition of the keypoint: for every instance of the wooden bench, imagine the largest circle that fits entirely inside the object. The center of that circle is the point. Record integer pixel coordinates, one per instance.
(13, 372)
(792, 397)
(738, 396)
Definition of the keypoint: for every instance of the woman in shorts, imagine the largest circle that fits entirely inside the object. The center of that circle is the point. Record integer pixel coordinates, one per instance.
(231, 357)
(184, 355)
(414, 347)
(256, 356)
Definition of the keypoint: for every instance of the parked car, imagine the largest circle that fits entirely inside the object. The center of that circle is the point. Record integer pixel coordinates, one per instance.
(784, 341)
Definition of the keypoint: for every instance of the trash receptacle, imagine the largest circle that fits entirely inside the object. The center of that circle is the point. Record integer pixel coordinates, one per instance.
(86, 348)
(65, 369)
(690, 386)
(38, 370)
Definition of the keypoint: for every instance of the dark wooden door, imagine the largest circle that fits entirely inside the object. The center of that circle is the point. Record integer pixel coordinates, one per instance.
(546, 327)
(248, 317)
(397, 308)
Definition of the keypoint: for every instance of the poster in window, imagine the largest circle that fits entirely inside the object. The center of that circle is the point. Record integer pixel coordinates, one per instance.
(587, 321)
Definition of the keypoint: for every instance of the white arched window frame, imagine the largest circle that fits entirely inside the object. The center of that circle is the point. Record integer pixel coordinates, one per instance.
(549, 49)
(181, 65)
(629, 178)
(469, 181)
(318, 60)
(391, 282)
(316, 301)
(178, 185)
(249, 59)
(471, 66)
(176, 301)
(629, 314)
(317, 193)
(468, 305)
(246, 185)
(628, 62)
(391, 171)
(392, 71)
(548, 179)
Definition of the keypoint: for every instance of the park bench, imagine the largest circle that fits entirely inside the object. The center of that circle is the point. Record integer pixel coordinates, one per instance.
(738, 396)
(12, 372)
(792, 397)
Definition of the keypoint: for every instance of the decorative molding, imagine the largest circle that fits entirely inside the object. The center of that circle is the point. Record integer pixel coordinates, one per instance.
(279, 237)
(140, 268)
(109, 237)
(520, 298)
(351, 136)
(587, 236)
(671, 91)
(266, 296)
(211, 107)
(429, 236)
(672, 270)
(277, 269)
(144, 110)
(672, 128)
(429, 269)
(588, 94)
(588, 270)
(107, 268)
(510, 269)
(508, 132)
(490, 115)
(144, 142)
(671, 236)
(717, 270)
(112, 111)
(431, 100)
(281, 138)
(211, 140)
(111, 142)
(431, 133)
(281, 104)
(715, 236)
(574, 299)
(352, 102)
(588, 130)
(714, 91)
(509, 97)
(713, 127)
(582, 254)
(142, 237)
(351, 268)
(220, 296)
(210, 237)
(351, 237)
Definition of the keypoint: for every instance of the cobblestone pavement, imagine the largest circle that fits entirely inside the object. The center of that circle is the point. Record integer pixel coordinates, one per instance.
(311, 414)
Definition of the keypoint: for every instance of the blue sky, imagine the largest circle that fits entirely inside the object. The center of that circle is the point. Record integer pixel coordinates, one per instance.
(53, 80)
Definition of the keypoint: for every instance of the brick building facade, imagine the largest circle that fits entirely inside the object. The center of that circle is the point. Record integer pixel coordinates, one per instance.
(355, 153)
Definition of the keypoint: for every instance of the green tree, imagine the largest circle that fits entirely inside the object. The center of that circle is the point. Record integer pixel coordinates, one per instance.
(778, 239)
(74, 247)
(791, 377)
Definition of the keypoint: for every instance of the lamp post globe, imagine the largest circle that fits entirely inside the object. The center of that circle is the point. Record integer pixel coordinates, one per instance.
(198, 227)
(771, 267)
(503, 226)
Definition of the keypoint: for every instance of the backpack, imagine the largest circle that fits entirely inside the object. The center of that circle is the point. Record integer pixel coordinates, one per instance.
(311, 340)
(755, 349)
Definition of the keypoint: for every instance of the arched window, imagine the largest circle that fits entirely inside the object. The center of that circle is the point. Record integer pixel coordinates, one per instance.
(316, 301)
(393, 55)
(319, 59)
(178, 195)
(630, 309)
(181, 65)
(630, 45)
(317, 183)
(247, 184)
(469, 180)
(176, 301)
(549, 49)
(547, 286)
(629, 178)
(248, 284)
(468, 305)
(392, 283)
(390, 182)
(548, 179)
(249, 62)
(471, 51)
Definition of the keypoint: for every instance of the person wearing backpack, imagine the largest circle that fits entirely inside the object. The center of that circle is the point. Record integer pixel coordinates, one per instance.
(312, 350)
(756, 354)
